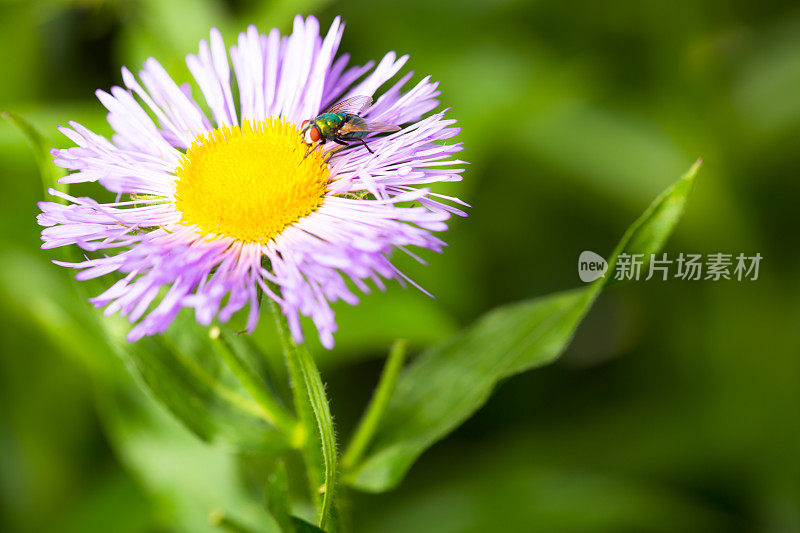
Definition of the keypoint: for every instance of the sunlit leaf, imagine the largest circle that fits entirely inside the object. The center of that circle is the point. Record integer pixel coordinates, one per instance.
(447, 383)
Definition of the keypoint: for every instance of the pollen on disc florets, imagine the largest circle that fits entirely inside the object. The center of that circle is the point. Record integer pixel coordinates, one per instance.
(249, 182)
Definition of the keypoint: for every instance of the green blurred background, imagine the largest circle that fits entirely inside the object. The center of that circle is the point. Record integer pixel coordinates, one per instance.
(675, 409)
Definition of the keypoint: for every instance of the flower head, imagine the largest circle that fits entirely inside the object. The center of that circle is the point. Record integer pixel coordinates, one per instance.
(211, 209)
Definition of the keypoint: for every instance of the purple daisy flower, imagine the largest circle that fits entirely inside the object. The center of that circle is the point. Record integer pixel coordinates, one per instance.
(210, 208)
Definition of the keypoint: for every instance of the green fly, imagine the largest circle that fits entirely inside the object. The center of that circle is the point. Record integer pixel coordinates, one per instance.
(343, 124)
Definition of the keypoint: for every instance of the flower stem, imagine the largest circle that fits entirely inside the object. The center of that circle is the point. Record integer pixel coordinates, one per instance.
(275, 413)
(377, 407)
(314, 413)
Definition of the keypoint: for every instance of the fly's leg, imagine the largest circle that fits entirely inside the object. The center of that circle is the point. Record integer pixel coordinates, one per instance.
(335, 151)
(366, 146)
(313, 147)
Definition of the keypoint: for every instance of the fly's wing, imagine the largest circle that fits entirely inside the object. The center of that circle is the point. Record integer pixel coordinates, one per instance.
(362, 126)
(351, 106)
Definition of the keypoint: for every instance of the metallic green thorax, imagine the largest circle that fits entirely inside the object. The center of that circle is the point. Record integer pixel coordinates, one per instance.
(329, 125)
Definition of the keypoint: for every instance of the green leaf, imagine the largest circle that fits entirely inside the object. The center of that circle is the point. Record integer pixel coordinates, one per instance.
(652, 229)
(184, 372)
(230, 351)
(49, 173)
(187, 479)
(301, 526)
(447, 383)
(180, 368)
(314, 412)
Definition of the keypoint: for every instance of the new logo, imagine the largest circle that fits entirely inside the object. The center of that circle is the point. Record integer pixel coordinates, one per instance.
(591, 266)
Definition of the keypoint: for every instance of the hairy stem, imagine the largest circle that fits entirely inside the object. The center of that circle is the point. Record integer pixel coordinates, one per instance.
(315, 415)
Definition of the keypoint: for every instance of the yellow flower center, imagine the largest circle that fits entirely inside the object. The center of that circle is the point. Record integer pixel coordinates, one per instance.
(249, 182)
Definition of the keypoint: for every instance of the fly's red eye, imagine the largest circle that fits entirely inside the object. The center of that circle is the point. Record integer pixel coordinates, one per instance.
(314, 133)
(303, 125)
